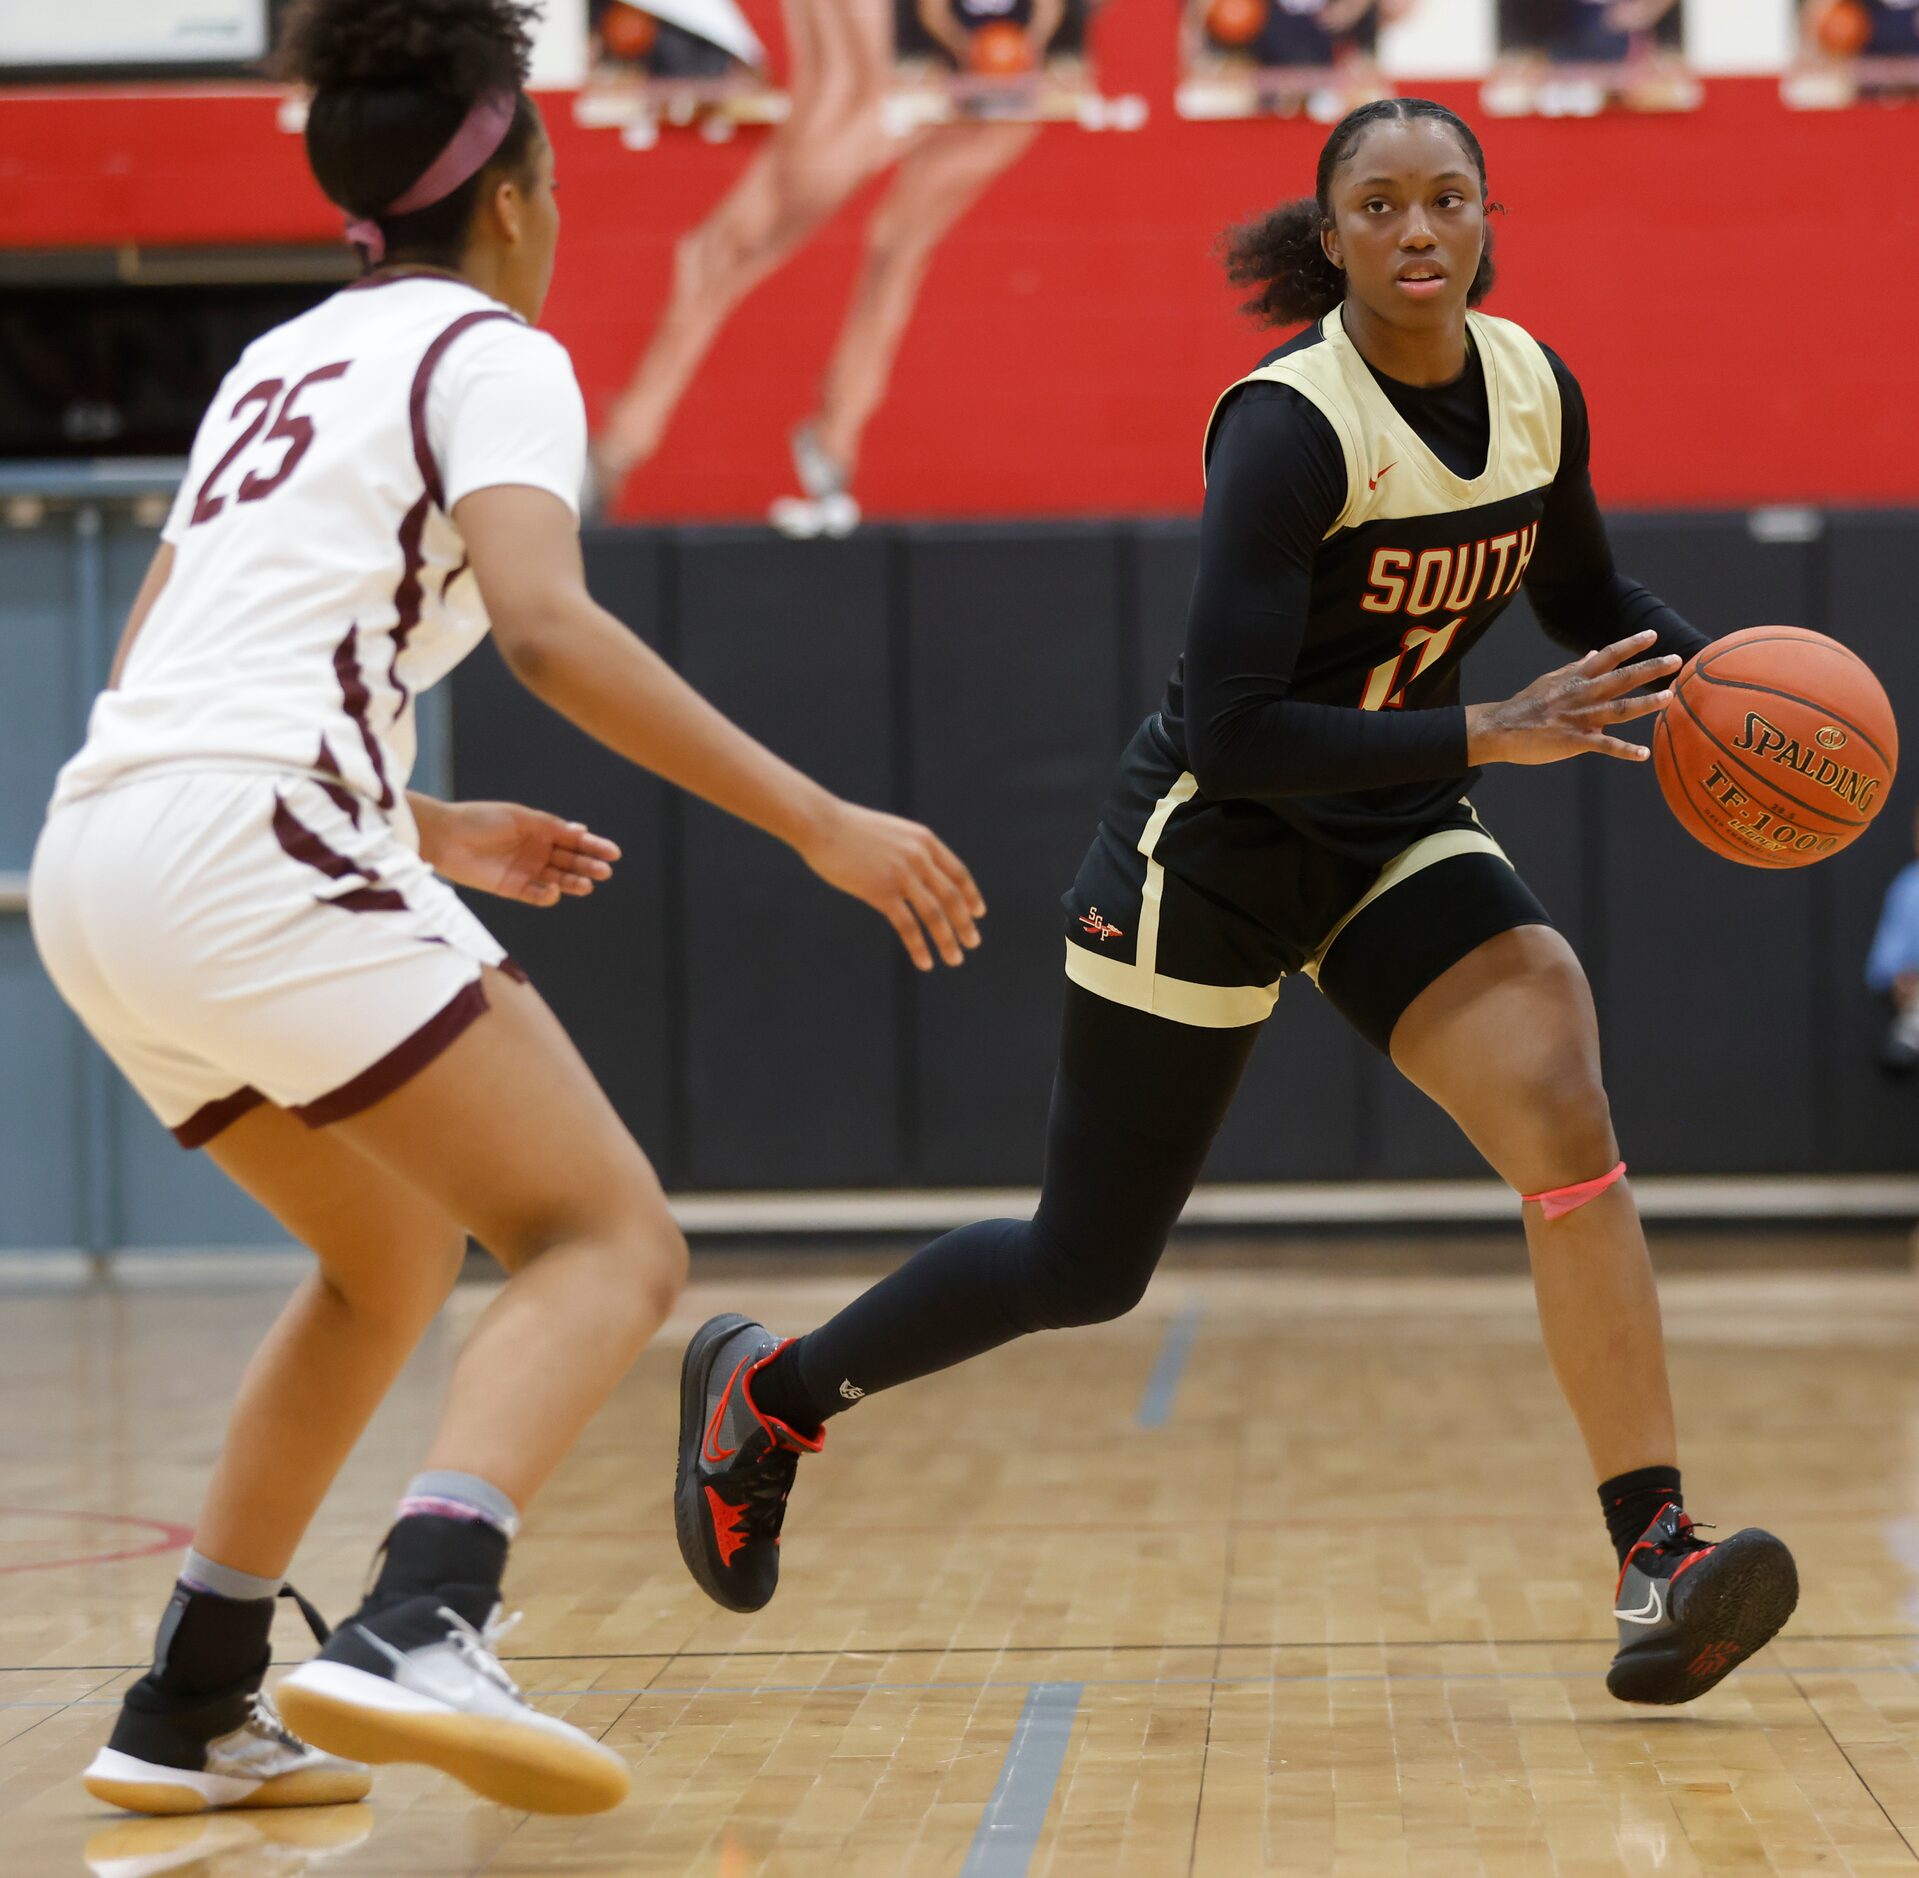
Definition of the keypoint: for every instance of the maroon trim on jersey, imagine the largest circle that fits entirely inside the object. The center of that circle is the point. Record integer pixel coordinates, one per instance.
(310, 850)
(298, 840)
(409, 596)
(210, 1118)
(357, 701)
(367, 900)
(337, 792)
(356, 697)
(514, 970)
(400, 1064)
(423, 383)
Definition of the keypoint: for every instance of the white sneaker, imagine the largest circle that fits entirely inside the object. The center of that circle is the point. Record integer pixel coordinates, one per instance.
(416, 1682)
(260, 1763)
(801, 518)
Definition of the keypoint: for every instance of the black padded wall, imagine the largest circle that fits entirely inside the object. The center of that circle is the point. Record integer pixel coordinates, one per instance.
(792, 1008)
(1708, 984)
(606, 964)
(1012, 714)
(759, 1030)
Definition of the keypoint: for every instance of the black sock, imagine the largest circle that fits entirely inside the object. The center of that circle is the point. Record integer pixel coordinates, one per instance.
(1633, 1501)
(461, 1561)
(780, 1390)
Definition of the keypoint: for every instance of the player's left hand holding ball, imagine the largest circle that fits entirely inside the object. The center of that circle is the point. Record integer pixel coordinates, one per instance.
(518, 853)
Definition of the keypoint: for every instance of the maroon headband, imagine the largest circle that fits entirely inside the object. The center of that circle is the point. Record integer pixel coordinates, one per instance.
(481, 133)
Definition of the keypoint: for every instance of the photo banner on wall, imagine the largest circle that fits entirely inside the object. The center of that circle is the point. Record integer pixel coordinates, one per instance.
(1853, 51)
(1577, 58)
(1027, 60)
(1282, 58)
(940, 97)
(705, 64)
(681, 63)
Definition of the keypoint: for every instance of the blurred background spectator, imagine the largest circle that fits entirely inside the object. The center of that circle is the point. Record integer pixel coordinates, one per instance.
(1892, 967)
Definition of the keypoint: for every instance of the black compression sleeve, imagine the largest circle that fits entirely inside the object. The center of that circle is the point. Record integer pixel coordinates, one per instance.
(1581, 599)
(1276, 482)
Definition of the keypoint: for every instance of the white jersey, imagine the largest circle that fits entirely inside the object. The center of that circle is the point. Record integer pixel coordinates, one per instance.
(319, 584)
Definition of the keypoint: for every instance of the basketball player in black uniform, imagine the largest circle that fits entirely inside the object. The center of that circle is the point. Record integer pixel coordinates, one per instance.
(1053, 27)
(1378, 490)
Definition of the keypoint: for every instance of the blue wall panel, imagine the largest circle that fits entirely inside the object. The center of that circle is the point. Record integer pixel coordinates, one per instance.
(41, 1119)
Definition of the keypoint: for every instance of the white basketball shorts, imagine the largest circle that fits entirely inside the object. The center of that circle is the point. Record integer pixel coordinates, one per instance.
(234, 937)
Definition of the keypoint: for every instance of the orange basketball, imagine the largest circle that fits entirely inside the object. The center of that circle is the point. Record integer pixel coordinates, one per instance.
(1236, 22)
(1843, 27)
(1778, 747)
(627, 32)
(1000, 49)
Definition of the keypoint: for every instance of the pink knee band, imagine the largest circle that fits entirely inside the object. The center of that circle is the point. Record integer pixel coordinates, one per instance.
(1559, 1201)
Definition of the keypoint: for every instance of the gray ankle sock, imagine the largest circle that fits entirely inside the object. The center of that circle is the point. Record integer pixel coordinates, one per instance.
(200, 1573)
(447, 1494)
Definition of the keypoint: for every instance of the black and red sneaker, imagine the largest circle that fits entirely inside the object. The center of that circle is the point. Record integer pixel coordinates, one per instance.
(1690, 1613)
(736, 1465)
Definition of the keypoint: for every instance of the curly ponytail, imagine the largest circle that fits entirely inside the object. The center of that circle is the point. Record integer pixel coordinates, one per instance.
(1281, 254)
(392, 81)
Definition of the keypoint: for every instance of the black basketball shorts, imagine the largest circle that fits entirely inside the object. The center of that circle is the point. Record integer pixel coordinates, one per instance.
(1197, 911)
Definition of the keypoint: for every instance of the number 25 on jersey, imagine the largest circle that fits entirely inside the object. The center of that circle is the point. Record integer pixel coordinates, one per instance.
(290, 427)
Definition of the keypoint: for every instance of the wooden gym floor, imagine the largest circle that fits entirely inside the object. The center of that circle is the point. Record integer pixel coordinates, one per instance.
(1296, 1570)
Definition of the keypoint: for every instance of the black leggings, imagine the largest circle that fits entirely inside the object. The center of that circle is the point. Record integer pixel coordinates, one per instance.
(1136, 1104)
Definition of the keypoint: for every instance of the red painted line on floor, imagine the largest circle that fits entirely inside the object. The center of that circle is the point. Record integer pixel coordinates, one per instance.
(170, 1536)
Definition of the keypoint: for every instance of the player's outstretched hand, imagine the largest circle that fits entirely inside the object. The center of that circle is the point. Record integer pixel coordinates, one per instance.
(1569, 712)
(905, 873)
(519, 853)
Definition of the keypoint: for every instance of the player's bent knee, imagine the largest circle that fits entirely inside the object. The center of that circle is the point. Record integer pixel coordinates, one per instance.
(664, 1260)
(646, 1252)
(1565, 1131)
(1075, 1288)
(402, 1285)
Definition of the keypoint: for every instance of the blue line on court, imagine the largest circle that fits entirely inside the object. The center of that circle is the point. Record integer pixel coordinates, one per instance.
(1009, 1829)
(1156, 1405)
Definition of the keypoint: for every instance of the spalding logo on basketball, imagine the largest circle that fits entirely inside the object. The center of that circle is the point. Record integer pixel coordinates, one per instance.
(1778, 747)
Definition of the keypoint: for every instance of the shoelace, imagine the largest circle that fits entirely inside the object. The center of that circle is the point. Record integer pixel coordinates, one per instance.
(1686, 1541)
(263, 1720)
(479, 1648)
(766, 1486)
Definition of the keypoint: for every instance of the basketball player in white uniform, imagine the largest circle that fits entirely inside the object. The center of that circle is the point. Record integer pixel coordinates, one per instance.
(240, 898)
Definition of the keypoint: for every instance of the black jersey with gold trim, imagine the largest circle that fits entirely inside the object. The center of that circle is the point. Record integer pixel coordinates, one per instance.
(1419, 549)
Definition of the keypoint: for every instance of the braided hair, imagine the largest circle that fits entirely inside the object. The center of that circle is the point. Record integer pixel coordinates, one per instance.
(1280, 253)
(392, 81)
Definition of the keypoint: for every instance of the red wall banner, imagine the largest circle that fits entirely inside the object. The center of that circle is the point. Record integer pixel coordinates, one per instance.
(1731, 285)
